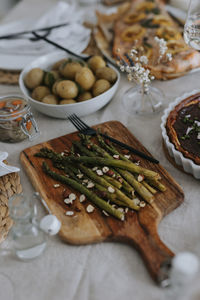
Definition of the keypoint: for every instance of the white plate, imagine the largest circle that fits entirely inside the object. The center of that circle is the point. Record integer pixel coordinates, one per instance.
(18, 62)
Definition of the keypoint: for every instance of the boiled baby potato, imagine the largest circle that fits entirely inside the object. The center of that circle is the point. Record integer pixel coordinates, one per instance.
(34, 78)
(50, 78)
(67, 89)
(85, 78)
(107, 74)
(40, 92)
(84, 96)
(70, 69)
(96, 62)
(50, 99)
(100, 87)
(54, 86)
(57, 65)
(67, 101)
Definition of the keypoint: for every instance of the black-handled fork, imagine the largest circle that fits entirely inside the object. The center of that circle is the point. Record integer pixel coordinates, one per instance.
(40, 37)
(85, 129)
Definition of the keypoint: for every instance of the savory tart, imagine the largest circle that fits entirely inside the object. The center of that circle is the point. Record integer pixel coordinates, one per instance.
(183, 127)
(135, 25)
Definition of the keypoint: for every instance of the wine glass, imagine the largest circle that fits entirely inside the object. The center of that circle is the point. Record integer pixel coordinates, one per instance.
(192, 25)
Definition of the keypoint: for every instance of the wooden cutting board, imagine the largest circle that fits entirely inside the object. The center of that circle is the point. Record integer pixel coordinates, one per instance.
(139, 228)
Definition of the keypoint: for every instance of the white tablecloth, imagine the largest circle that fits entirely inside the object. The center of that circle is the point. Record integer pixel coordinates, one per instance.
(103, 271)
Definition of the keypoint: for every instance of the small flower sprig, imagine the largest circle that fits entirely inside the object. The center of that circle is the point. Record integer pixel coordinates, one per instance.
(137, 71)
(162, 49)
(137, 68)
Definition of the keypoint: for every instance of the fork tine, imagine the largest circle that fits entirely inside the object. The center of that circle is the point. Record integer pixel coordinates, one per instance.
(83, 124)
(79, 125)
(75, 123)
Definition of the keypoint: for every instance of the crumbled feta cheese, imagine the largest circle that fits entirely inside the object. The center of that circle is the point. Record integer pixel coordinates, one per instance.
(105, 213)
(90, 185)
(95, 168)
(197, 122)
(140, 177)
(72, 196)
(136, 201)
(85, 180)
(127, 156)
(105, 169)
(56, 185)
(69, 213)
(126, 210)
(82, 198)
(67, 201)
(99, 172)
(116, 156)
(137, 163)
(90, 208)
(198, 136)
(111, 189)
(188, 130)
(120, 209)
(79, 175)
(142, 204)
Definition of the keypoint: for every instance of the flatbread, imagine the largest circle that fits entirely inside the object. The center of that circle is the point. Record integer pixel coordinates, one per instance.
(135, 24)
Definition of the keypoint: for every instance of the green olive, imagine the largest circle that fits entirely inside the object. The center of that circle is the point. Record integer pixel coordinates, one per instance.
(40, 92)
(100, 87)
(67, 89)
(34, 78)
(85, 78)
(70, 69)
(50, 99)
(50, 78)
(96, 62)
(84, 96)
(106, 73)
(67, 101)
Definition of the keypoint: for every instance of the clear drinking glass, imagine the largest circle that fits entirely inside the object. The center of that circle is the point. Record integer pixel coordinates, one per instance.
(25, 240)
(192, 25)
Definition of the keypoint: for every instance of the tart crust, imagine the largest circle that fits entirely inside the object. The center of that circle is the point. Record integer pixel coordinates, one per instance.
(171, 131)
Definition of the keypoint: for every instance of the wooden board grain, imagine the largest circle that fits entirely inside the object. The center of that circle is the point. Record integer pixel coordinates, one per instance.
(139, 228)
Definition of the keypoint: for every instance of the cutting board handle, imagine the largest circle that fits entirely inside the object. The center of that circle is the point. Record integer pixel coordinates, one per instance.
(154, 252)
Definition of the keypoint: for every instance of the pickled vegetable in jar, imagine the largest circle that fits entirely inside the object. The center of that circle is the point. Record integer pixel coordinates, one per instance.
(16, 120)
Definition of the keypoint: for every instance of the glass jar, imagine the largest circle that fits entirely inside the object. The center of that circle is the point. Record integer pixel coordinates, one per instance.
(27, 240)
(16, 120)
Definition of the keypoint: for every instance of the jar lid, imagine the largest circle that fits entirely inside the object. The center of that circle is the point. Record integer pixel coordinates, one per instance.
(12, 107)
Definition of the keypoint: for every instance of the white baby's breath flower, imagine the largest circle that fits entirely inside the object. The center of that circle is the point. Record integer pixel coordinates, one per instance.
(144, 59)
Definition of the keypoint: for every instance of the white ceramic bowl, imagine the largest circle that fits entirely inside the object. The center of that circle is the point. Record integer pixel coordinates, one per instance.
(188, 165)
(61, 111)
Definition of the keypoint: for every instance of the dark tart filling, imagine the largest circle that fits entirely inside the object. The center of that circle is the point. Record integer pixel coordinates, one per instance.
(183, 127)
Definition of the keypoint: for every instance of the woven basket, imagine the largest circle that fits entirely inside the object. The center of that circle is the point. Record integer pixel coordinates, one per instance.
(9, 185)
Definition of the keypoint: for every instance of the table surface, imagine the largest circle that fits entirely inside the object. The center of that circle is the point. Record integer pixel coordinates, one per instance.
(107, 270)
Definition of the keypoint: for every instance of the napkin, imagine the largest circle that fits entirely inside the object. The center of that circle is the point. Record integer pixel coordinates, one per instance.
(5, 169)
(182, 4)
(73, 36)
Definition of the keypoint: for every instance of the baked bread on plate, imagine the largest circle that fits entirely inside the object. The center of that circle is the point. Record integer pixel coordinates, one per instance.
(135, 25)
